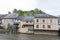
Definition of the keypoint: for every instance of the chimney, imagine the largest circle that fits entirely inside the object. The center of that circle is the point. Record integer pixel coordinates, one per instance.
(9, 12)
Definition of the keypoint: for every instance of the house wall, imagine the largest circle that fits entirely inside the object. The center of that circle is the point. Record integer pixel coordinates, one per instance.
(29, 23)
(53, 24)
(46, 33)
(0, 21)
(5, 22)
(24, 30)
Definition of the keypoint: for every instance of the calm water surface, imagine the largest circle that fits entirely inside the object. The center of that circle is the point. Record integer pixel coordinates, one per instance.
(27, 37)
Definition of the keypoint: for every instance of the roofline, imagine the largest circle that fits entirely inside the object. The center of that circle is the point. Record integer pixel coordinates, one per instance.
(46, 17)
(9, 18)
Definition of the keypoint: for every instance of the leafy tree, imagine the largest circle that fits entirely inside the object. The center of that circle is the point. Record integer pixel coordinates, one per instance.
(37, 11)
(9, 29)
(12, 29)
(15, 11)
(32, 12)
(27, 13)
(9, 12)
(20, 12)
(1, 27)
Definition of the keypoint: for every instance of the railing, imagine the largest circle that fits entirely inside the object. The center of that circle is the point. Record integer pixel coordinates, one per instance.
(30, 28)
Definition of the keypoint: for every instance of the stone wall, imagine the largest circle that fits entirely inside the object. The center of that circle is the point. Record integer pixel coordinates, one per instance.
(46, 33)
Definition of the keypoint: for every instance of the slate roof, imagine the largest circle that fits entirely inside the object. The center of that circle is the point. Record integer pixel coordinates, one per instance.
(20, 18)
(11, 16)
(25, 18)
(2, 16)
(44, 15)
(28, 18)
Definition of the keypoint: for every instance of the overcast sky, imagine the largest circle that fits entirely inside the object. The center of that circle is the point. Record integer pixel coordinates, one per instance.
(49, 6)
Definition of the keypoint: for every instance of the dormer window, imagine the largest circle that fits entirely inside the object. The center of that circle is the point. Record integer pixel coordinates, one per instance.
(43, 20)
(30, 21)
(37, 20)
(26, 21)
(50, 21)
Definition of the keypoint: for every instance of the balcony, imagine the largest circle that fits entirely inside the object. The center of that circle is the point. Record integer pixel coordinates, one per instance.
(30, 27)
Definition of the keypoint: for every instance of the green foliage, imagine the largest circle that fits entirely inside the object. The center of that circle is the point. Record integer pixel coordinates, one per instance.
(27, 13)
(36, 11)
(1, 27)
(20, 12)
(10, 29)
(15, 11)
(59, 17)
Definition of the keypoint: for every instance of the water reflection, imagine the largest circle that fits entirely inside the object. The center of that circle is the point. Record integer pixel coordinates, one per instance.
(27, 37)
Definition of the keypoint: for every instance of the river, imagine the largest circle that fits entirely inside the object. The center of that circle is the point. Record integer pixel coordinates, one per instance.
(27, 37)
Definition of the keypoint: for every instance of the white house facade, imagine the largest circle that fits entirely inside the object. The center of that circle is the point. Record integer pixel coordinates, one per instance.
(26, 25)
(10, 19)
(39, 24)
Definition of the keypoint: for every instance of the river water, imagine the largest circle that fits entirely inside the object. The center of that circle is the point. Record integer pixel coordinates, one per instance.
(27, 37)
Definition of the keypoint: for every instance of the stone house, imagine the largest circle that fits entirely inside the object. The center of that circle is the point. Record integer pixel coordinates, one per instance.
(26, 24)
(45, 24)
(1, 18)
(39, 24)
(10, 19)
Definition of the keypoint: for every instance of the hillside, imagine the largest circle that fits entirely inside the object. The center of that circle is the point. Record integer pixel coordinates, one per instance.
(27, 13)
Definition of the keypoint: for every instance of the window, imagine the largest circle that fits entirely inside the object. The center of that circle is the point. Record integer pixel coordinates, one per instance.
(43, 20)
(23, 26)
(37, 20)
(50, 21)
(26, 21)
(11, 19)
(37, 26)
(43, 26)
(30, 21)
(49, 26)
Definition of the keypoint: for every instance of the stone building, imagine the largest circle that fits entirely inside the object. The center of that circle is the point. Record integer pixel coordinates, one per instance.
(10, 19)
(39, 24)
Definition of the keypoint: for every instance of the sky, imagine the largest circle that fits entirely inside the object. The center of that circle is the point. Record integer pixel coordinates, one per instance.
(49, 6)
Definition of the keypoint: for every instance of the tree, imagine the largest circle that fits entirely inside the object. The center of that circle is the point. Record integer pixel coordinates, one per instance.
(27, 13)
(20, 12)
(9, 28)
(9, 12)
(37, 11)
(15, 11)
(32, 12)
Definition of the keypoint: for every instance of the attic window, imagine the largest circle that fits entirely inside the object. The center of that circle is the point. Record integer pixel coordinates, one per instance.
(51, 21)
(43, 20)
(23, 26)
(37, 20)
(26, 21)
(30, 21)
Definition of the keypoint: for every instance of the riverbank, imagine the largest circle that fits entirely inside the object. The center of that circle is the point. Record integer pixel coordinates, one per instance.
(27, 37)
(33, 33)
(42, 32)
